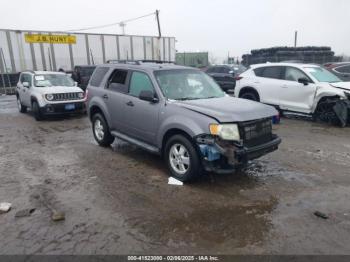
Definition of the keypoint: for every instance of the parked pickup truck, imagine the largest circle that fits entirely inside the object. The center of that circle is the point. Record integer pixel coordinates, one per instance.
(179, 113)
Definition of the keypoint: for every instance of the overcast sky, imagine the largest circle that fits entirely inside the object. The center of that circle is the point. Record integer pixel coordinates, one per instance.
(221, 26)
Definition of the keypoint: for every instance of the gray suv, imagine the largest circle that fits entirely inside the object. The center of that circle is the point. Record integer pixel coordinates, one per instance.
(179, 113)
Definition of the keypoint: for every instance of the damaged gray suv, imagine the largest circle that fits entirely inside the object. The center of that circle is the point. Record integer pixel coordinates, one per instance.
(179, 113)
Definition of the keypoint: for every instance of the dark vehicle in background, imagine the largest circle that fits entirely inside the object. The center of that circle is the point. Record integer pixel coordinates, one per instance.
(225, 75)
(81, 74)
(341, 70)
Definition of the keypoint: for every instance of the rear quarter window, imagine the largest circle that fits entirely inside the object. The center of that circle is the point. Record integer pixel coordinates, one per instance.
(98, 75)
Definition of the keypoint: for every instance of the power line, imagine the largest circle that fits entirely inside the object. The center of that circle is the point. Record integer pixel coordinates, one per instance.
(112, 24)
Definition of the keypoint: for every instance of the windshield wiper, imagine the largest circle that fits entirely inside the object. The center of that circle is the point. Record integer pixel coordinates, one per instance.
(187, 98)
(210, 97)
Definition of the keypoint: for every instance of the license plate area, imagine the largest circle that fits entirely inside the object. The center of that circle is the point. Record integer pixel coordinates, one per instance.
(69, 107)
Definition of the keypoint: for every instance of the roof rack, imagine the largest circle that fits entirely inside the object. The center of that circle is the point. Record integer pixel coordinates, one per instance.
(138, 62)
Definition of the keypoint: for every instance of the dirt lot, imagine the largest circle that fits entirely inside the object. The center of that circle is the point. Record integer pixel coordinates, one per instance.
(117, 200)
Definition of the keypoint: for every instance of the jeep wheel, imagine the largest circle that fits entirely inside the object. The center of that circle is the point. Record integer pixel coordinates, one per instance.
(36, 111)
(101, 131)
(21, 108)
(250, 96)
(182, 158)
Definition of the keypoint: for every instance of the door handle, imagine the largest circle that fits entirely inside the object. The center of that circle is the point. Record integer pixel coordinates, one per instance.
(284, 86)
(105, 96)
(130, 103)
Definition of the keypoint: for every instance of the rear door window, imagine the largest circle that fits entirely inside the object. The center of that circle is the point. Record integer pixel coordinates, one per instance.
(274, 72)
(139, 82)
(98, 75)
(118, 81)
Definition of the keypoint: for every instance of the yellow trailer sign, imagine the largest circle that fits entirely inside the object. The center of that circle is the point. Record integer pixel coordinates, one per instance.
(50, 39)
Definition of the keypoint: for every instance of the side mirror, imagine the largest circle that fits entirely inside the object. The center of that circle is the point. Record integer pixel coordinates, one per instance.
(75, 83)
(303, 81)
(148, 95)
(25, 84)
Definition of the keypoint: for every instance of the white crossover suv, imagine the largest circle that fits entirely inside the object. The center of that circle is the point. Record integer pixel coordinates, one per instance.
(302, 88)
(49, 93)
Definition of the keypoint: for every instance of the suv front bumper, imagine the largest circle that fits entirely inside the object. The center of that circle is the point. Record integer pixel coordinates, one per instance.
(226, 157)
(62, 108)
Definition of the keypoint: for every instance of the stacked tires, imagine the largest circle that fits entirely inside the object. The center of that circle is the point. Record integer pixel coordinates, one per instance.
(306, 54)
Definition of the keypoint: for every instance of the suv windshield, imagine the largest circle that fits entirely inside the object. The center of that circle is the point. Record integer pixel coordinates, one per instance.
(47, 80)
(187, 84)
(322, 75)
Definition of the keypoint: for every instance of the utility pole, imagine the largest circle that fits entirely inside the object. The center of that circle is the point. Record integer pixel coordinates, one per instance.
(157, 16)
(295, 38)
(122, 25)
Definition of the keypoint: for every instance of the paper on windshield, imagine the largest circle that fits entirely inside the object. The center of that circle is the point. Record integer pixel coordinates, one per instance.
(39, 78)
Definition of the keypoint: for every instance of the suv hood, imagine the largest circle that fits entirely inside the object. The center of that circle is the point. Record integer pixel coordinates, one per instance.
(341, 85)
(59, 89)
(229, 109)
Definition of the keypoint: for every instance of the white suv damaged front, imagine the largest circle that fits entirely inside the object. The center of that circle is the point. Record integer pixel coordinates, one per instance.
(301, 88)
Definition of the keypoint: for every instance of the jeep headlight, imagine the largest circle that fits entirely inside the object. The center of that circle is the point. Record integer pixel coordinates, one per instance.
(81, 95)
(225, 131)
(49, 97)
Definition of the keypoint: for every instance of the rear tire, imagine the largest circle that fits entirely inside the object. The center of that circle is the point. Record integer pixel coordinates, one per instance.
(250, 95)
(21, 108)
(36, 111)
(182, 158)
(100, 130)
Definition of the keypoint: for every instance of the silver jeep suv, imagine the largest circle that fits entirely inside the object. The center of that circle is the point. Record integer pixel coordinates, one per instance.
(49, 93)
(180, 113)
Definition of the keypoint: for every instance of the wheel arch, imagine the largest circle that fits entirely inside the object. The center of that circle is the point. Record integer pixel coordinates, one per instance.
(96, 107)
(248, 89)
(322, 98)
(172, 132)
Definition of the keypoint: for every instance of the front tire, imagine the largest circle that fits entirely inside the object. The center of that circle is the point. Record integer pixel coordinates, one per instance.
(182, 158)
(100, 130)
(21, 108)
(36, 111)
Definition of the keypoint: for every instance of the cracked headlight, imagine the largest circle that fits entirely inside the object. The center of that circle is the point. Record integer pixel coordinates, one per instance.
(49, 97)
(225, 131)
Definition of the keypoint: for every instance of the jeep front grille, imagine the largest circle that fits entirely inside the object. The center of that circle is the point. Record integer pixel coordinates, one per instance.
(66, 97)
(256, 132)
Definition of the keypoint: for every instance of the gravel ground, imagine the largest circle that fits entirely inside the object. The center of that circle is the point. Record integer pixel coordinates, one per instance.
(117, 201)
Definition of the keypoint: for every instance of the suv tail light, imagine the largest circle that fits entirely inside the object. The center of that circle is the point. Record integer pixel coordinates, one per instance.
(238, 78)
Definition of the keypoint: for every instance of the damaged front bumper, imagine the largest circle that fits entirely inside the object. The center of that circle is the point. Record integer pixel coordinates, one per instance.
(342, 111)
(225, 156)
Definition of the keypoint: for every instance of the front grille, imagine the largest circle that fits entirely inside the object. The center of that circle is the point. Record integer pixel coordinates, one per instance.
(66, 97)
(256, 132)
